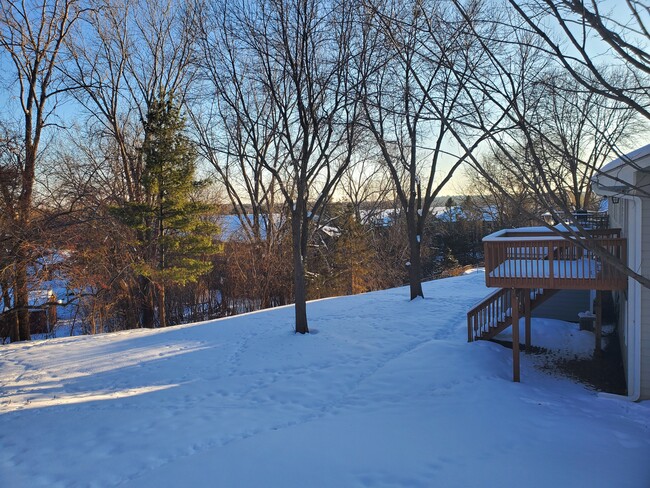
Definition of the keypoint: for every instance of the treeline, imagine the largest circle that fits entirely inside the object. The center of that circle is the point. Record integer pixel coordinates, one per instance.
(131, 126)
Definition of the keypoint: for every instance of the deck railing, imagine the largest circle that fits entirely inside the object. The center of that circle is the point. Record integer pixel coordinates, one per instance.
(495, 308)
(534, 261)
(494, 312)
(588, 220)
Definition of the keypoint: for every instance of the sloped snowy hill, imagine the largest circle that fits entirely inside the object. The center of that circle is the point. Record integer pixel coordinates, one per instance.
(386, 392)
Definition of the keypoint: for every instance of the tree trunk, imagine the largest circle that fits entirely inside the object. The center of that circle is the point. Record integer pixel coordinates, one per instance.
(162, 312)
(415, 266)
(11, 317)
(131, 306)
(14, 325)
(146, 303)
(300, 292)
(93, 320)
(21, 299)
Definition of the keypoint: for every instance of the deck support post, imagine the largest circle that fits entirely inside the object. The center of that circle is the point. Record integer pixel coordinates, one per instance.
(527, 315)
(598, 309)
(514, 308)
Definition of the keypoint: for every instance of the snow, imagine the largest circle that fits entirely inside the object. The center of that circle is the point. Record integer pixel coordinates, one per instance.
(38, 298)
(330, 230)
(539, 268)
(565, 339)
(384, 392)
(505, 235)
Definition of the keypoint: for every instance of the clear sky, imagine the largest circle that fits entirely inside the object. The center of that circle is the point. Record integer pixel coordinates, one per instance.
(68, 112)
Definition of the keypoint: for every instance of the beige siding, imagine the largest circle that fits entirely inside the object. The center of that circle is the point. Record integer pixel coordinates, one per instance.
(564, 305)
(618, 217)
(643, 180)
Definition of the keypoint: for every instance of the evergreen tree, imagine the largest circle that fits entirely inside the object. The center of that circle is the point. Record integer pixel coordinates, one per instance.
(175, 240)
(354, 258)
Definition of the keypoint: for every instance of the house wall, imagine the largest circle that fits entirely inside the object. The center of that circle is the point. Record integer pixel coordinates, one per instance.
(622, 215)
(564, 305)
(633, 217)
(643, 180)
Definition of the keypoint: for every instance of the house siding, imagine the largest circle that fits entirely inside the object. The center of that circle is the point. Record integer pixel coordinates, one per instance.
(564, 305)
(621, 216)
(644, 179)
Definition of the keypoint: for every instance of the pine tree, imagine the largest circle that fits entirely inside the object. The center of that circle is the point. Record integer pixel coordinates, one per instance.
(174, 238)
(354, 258)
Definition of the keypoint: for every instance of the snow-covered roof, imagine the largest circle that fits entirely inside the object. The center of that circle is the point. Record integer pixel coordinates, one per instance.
(330, 230)
(383, 217)
(448, 214)
(637, 155)
(38, 298)
(618, 176)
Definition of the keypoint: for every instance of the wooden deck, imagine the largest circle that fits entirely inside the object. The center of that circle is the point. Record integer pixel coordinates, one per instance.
(528, 260)
(529, 265)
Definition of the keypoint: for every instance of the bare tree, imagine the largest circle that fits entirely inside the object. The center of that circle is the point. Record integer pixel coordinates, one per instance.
(236, 128)
(415, 66)
(524, 143)
(11, 162)
(505, 199)
(289, 106)
(567, 29)
(577, 132)
(368, 187)
(32, 35)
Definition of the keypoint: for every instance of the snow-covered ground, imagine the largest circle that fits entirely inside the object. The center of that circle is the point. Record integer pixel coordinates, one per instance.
(385, 392)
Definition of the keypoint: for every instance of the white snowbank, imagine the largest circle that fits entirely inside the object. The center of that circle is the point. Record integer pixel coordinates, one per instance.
(386, 392)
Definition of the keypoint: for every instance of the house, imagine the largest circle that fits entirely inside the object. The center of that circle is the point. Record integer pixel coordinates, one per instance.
(626, 184)
(42, 306)
(530, 265)
(42, 311)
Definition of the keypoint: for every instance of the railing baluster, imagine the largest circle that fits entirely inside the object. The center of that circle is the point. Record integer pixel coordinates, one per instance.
(554, 263)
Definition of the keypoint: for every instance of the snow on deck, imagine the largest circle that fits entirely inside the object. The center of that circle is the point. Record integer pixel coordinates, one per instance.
(540, 268)
(385, 392)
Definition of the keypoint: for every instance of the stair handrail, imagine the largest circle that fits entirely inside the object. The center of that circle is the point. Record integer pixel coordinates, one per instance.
(487, 313)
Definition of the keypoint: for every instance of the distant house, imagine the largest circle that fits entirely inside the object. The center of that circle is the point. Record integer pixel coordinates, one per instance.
(42, 305)
(42, 311)
(626, 184)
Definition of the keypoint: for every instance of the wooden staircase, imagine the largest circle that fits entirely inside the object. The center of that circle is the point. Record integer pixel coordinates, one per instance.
(494, 313)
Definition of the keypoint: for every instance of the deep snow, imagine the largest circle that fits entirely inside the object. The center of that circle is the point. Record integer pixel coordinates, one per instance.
(385, 392)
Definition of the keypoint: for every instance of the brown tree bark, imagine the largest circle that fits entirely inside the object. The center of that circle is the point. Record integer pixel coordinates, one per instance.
(146, 303)
(415, 265)
(300, 290)
(162, 311)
